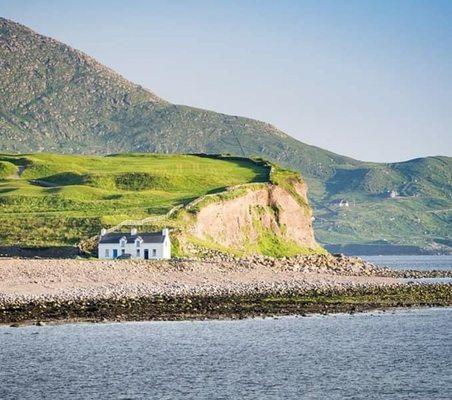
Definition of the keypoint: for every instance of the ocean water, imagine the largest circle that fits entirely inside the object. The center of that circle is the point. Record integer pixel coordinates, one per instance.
(418, 263)
(412, 262)
(403, 354)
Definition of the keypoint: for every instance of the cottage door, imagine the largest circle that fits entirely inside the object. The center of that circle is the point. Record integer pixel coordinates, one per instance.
(115, 253)
(146, 254)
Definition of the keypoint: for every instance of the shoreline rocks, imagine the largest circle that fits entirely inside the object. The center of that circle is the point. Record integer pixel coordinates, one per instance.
(219, 286)
(258, 304)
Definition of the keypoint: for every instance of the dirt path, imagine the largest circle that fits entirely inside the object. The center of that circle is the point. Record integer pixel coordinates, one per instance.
(20, 170)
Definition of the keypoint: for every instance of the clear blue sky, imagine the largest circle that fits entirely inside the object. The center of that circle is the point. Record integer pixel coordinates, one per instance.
(368, 79)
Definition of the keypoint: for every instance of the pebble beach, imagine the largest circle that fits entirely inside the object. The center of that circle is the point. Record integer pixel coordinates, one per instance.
(30, 285)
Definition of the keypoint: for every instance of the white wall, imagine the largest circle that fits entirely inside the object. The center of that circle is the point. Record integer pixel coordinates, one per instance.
(166, 248)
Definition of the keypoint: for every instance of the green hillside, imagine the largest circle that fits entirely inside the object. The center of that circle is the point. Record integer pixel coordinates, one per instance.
(56, 99)
(420, 214)
(54, 200)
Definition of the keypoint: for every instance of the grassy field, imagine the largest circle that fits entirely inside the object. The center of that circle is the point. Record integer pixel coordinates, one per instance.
(54, 200)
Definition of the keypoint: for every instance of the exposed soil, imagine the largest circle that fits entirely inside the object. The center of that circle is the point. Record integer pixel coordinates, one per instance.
(232, 221)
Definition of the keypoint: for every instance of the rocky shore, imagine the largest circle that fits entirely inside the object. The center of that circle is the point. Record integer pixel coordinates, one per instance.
(214, 287)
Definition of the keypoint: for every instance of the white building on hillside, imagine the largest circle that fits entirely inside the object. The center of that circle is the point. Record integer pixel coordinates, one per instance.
(145, 246)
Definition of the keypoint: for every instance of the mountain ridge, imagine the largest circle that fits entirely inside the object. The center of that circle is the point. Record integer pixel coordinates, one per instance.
(57, 99)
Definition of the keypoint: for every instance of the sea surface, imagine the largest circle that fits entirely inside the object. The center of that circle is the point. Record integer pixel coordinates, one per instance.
(395, 355)
(400, 354)
(412, 262)
(424, 263)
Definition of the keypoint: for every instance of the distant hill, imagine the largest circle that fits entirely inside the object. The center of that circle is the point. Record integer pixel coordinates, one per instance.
(56, 99)
(404, 204)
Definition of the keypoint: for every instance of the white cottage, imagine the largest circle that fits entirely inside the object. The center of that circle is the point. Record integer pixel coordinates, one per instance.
(145, 246)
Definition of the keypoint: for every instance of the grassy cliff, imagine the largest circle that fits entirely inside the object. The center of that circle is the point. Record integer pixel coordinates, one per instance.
(271, 218)
(58, 200)
(50, 199)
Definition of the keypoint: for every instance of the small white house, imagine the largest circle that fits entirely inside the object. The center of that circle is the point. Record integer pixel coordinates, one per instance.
(344, 203)
(392, 194)
(144, 246)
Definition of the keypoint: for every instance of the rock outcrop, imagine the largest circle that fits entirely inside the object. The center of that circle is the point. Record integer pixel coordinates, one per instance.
(241, 221)
(270, 219)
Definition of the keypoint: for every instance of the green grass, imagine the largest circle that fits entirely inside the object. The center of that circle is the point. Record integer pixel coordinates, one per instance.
(271, 244)
(59, 199)
(7, 170)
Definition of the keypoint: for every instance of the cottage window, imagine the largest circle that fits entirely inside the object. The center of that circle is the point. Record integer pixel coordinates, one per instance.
(138, 243)
(138, 252)
(154, 252)
(107, 253)
(123, 243)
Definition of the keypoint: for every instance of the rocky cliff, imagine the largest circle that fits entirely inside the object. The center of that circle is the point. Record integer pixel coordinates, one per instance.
(272, 219)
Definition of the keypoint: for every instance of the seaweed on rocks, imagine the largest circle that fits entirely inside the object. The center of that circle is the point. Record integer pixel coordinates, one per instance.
(234, 306)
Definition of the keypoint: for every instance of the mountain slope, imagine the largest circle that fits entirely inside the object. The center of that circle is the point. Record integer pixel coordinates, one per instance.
(54, 98)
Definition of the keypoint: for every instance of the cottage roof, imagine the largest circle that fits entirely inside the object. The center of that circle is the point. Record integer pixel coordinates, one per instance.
(147, 237)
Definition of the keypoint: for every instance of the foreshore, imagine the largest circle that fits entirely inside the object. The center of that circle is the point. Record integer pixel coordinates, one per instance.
(39, 291)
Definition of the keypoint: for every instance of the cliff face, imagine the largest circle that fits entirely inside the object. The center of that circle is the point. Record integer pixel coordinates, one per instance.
(267, 219)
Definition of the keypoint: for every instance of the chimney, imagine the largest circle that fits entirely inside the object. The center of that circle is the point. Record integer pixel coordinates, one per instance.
(133, 231)
(165, 232)
(103, 232)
